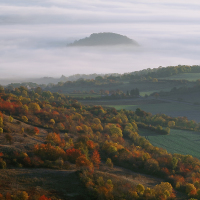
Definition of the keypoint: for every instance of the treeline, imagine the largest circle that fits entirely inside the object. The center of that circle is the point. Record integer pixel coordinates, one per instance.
(161, 72)
(180, 90)
(143, 75)
(157, 129)
(96, 80)
(163, 120)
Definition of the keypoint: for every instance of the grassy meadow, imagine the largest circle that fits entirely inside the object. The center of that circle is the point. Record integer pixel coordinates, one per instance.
(178, 141)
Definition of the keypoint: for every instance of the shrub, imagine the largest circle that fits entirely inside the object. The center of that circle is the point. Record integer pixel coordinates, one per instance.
(2, 164)
(109, 163)
(10, 119)
(24, 119)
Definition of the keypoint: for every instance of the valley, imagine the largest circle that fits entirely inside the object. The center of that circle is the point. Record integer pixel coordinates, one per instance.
(137, 142)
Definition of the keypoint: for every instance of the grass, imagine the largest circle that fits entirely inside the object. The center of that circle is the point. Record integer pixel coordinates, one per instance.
(178, 141)
(126, 175)
(59, 184)
(185, 76)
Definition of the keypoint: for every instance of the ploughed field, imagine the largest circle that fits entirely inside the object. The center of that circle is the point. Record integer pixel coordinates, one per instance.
(178, 141)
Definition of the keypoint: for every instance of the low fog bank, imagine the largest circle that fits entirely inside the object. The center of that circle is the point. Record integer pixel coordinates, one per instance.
(39, 51)
(34, 36)
(47, 80)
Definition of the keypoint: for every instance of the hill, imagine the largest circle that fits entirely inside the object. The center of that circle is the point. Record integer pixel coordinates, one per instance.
(104, 39)
(34, 82)
(59, 137)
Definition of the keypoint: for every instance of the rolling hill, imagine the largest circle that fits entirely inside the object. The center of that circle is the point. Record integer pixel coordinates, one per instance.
(104, 39)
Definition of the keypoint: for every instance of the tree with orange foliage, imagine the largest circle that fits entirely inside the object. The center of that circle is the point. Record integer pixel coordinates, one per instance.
(73, 154)
(49, 152)
(104, 190)
(1, 119)
(163, 190)
(95, 158)
(190, 189)
(27, 161)
(83, 162)
(8, 196)
(36, 161)
(165, 171)
(90, 144)
(43, 197)
(60, 126)
(53, 137)
(36, 130)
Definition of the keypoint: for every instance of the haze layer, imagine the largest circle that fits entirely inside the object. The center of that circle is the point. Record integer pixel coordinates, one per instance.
(34, 36)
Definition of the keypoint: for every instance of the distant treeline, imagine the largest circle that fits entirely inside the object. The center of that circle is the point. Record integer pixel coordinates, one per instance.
(143, 75)
(180, 90)
(97, 80)
(161, 72)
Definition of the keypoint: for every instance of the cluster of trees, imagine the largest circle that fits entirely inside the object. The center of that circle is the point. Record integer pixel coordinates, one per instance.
(22, 195)
(133, 92)
(100, 188)
(150, 74)
(180, 90)
(158, 129)
(110, 94)
(162, 120)
(85, 135)
(118, 93)
(98, 81)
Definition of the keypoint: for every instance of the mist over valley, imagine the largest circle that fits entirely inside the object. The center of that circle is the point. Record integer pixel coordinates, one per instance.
(34, 37)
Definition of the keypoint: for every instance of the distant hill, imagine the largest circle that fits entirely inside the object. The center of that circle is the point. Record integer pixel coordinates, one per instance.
(33, 82)
(104, 39)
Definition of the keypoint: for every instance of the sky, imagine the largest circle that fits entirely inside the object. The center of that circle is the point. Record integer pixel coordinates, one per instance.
(34, 36)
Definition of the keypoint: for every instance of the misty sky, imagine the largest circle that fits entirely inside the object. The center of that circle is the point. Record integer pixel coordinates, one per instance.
(34, 36)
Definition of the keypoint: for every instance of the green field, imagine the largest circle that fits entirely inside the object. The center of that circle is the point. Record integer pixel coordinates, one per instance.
(178, 141)
(185, 76)
(143, 93)
(190, 98)
(173, 109)
(84, 95)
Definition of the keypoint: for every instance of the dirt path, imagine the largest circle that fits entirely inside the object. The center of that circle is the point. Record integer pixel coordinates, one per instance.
(134, 177)
(137, 178)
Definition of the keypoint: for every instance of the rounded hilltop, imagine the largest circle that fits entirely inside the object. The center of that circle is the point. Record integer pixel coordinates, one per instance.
(104, 39)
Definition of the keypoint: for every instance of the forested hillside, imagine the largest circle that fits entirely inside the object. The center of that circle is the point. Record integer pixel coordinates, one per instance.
(40, 129)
